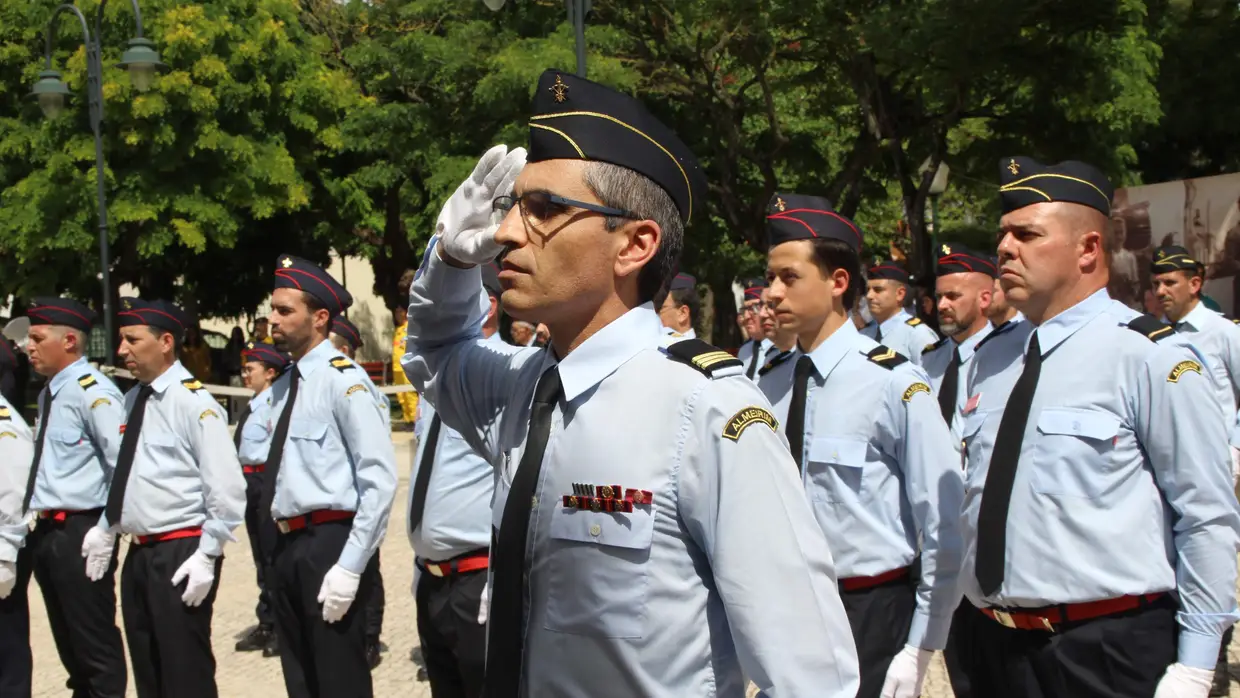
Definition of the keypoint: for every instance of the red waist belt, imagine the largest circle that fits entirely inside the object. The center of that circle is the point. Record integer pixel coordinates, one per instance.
(251, 469)
(1051, 616)
(467, 563)
(59, 515)
(860, 583)
(315, 518)
(191, 532)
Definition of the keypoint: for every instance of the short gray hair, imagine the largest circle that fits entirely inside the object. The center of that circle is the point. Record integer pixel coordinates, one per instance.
(620, 187)
(62, 330)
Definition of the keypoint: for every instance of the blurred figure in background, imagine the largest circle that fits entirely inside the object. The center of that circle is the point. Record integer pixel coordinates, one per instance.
(196, 355)
(262, 332)
(523, 333)
(408, 400)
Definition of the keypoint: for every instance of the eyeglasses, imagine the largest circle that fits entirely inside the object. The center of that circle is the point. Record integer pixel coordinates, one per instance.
(538, 207)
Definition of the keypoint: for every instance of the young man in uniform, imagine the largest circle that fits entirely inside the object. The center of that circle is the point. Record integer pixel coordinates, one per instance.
(16, 450)
(450, 532)
(757, 348)
(1099, 512)
(893, 325)
(178, 493)
(78, 437)
(680, 307)
(330, 480)
(874, 455)
(674, 564)
(262, 364)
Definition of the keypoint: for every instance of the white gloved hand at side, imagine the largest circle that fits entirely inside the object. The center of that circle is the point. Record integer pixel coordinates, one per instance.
(198, 573)
(906, 673)
(1183, 681)
(337, 593)
(8, 578)
(98, 545)
(466, 226)
(1235, 465)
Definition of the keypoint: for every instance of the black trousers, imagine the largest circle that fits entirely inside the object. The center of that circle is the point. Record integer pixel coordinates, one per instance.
(169, 642)
(880, 618)
(82, 613)
(261, 543)
(1119, 656)
(15, 660)
(454, 643)
(374, 609)
(958, 646)
(320, 659)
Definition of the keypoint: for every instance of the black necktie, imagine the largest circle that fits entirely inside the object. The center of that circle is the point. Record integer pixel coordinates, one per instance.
(506, 643)
(947, 391)
(878, 332)
(423, 483)
(753, 360)
(38, 450)
(272, 469)
(129, 449)
(997, 494)
(245, 414)
(796, 411)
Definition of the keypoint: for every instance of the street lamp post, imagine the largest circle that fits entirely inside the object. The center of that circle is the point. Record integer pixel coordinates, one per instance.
(577, 12)
(937, 186)
(142, 61)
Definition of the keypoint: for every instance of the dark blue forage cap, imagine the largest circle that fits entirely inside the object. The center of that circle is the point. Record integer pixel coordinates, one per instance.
(295, 272)
(1172, 258)
(957, 259)
(682, 281)
(154, 313)
(1024, 181)
(261, 351)
(888, 269)
(61, 311)
(799, 217)
(347, 330)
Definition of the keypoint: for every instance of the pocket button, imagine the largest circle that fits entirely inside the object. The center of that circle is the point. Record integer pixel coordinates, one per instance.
(595, 530)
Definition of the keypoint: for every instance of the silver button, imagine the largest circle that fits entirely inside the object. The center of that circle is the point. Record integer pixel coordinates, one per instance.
(595, 530)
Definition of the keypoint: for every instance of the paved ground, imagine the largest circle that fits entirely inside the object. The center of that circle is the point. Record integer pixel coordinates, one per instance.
(248, 675)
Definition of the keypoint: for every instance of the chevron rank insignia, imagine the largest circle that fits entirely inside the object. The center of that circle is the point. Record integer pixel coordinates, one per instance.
(1151, 327)
(886, 357)
(341, 364)
(192, 384)
(746, 418)
(86, 381)
(913, 321)
(706, 358)
(1182, 368)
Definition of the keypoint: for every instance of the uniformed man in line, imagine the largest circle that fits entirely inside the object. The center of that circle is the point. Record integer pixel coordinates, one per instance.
(894, 326)
(673, 563)
(449, 515)
(78, 438)
(262, 364)
(1001, 312)
(330, 481)
(347, 340)
(782, 337)
(179, 493)
(1177, 278)
(680, 307)
(16, 450)
(757, 348)
(875, 457)
(1099, 512)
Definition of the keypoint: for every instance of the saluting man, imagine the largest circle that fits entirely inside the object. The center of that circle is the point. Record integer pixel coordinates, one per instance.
(673, 564)
(1098, 507)
(893, 325)
(78, 438)
(16, 450)
(178, 491)
(330, 480)
(874, 455)
(680, 307)
(262, 364)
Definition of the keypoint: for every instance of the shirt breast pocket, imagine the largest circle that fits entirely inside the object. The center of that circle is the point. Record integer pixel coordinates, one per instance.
(254, 432)
(1074, 455)
(837, 468)
(598, 572)
(66, 437)
(160, 441)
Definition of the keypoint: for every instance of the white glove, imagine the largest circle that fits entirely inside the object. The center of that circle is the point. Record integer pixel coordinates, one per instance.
(199, 570)
(906, 673)
(485, 607)
(337, 593)
(8, 578)
(1183, 681)
(97, 547)
(466, 226)
(1235, 465)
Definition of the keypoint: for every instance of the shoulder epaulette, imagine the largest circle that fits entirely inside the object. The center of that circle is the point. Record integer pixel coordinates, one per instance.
(913, 321)
(86, 381)
(886, 357)
(775, 361)
(934, 345)
(192, 384)
(708, 359)
(1235, 321)
(1007, 326)
(341, 363)
(1151, 327)
(5, 414)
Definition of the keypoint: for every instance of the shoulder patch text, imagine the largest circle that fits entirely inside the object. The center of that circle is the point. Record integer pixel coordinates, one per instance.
(746, 418)
(914, 389)
(1182, 368)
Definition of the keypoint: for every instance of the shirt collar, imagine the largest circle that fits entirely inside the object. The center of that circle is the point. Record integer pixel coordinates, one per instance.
(1196, 318)
(968, 346)
(318, 356)
(175, 373)
(1053, 332)
(67, 374)
(258, 399)
(890, 323)
(607, 350)
(832, 351)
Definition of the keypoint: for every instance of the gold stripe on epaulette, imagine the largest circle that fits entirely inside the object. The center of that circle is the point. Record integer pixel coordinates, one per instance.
(889, 355)
(1160, 331)
(1038, 191)
(565, 135)
(710, 359)
(1009, 185)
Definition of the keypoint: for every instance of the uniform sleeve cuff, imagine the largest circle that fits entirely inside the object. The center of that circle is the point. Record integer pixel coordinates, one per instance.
(927, 632)
(1197, 650)
(210, 545)
(354, 558)
(8, 550)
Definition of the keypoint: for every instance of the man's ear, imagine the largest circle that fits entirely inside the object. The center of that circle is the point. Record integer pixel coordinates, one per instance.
(641, 242)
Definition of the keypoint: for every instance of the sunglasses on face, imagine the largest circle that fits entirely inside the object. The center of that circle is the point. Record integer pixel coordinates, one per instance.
(539, 207)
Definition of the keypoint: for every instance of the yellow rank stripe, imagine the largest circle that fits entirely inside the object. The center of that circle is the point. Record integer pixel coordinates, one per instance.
(914, 389)
(1182, 368)
(889, 355)
(746, 418)
(709, 359)
(1160, 331)
(4, 413)
(86, 381)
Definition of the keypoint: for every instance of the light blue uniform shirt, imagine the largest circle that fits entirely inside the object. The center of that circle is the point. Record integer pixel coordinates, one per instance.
(935, 360)
(82, 441)
(258, 430)
(880, 472)
(687, 334)
(339, 452)
(457, 517)
(16, 450)
(1124, 481)
(1218, 340)
(746, 350)
(724, 575)
(907, 334)
(185, 472)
